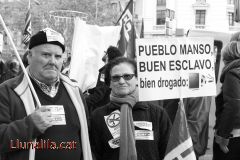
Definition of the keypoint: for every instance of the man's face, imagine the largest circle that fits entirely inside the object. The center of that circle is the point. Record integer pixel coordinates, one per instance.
(123, 87)
(45, 62)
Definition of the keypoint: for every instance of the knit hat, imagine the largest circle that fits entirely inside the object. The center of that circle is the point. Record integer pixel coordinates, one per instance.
(49, 36)
(112, 53)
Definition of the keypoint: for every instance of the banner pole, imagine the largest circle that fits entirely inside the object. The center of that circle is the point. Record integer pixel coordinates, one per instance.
(20, 61)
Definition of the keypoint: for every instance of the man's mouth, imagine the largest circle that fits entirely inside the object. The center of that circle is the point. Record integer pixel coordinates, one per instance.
(51, 68)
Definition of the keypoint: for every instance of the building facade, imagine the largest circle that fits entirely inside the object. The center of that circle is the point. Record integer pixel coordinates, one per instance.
(163, 17)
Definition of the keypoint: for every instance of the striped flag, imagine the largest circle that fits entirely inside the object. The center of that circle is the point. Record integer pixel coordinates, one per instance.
(27, 29)
(122, 43)
(180, 145)
(126, 43)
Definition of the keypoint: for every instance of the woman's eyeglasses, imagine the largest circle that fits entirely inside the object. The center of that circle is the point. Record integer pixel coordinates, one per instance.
(126, 77)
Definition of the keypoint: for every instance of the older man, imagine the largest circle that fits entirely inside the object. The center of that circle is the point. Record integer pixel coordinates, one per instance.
(59, 125)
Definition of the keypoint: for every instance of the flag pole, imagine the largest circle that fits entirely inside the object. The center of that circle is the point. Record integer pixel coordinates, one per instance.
(29, 4)
(20, 61)
(96, 11)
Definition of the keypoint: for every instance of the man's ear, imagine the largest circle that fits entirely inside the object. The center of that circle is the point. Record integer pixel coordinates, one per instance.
(29, 56)
(29, 53)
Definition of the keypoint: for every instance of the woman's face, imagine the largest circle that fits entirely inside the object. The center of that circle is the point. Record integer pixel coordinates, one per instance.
(120, 86)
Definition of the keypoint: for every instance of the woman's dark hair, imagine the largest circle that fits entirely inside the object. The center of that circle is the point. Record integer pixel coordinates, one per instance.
(113, 52)
(115, 62)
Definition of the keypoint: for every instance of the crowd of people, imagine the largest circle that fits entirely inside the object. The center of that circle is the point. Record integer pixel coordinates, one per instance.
(107, 122)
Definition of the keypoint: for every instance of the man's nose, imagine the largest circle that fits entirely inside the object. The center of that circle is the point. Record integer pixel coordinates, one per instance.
(52, 59)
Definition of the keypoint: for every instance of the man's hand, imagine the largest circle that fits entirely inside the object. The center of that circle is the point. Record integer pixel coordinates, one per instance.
(223, 143)
(42, 118)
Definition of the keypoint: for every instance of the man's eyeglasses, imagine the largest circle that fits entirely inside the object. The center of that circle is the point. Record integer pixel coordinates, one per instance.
(126, 77)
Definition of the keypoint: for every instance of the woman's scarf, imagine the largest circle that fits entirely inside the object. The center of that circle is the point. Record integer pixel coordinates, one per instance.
(127, 131)
(231, 58)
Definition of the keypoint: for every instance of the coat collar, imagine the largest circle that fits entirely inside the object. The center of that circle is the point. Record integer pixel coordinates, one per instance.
(138, 106)
(21, 84)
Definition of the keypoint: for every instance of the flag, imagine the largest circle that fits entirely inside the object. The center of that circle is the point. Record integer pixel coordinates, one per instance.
(122, 43)
(27, 29)
(142, 30)
(127, 13)
(180, 145)
(236, 10)
(126, 43)
(131, 43)
(88, 46)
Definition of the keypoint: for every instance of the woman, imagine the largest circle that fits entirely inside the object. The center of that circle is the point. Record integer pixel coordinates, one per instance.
(141, 128)
(227, 137)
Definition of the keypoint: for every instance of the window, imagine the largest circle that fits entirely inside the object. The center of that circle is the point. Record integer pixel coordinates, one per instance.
(230, 19)
(170, 14)
(114, 5)
(230, 1)
(161, 2)
(200, 17)
(161, 17)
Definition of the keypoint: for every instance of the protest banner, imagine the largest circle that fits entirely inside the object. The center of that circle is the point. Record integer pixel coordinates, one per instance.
(175, 68)
(88, 46)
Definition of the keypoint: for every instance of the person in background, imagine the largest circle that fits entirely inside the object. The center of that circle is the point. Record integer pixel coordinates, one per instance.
(227, 128)
(66, 66)
(3, 69)
(126, 128)
(13, 69)
(99, 95)
(60, 121)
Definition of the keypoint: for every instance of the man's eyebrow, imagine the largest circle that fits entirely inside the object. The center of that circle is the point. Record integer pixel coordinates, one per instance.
(43, 51)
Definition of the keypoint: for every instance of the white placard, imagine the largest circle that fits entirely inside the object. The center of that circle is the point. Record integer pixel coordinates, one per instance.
(175, 68)
(144, 135)
(58, 114)
(53, 35)
(143, 125)
(113, 123)
(58, 119)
